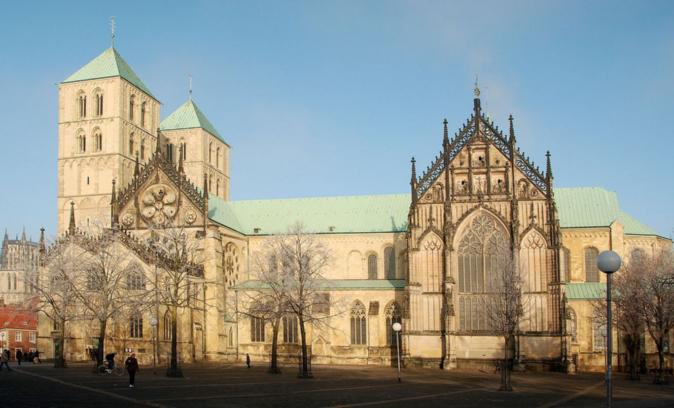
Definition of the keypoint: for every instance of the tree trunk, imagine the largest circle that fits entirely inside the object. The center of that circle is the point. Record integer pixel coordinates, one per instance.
(173, 370)
(660, 378)
(59, 360)
(305, 358)
(103, 324)
(633, 351)
(273, 368)
(505, 367)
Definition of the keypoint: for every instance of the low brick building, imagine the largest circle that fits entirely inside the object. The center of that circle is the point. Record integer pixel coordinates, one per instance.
(18, 329)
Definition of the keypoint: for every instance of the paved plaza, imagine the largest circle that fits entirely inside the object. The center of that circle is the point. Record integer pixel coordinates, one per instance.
(236, 386)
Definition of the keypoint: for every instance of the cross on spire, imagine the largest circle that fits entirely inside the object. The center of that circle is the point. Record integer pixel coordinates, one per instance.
(112, 31)
(476, 90)
(190, 86)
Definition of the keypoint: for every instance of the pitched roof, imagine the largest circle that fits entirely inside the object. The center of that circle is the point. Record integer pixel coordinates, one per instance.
(14, 317)
(108, 64)
(189, 116)
(578, 208)
(585, 291)
(345, 214)
(594, 207)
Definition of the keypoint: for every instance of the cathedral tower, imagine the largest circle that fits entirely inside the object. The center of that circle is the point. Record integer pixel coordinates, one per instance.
(193, 143)
(107, 120)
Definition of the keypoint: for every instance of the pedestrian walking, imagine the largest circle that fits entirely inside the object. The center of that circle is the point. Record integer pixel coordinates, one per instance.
(19, 356)
(4, 360)
(37, 357)
(131, 365)
(247, 360)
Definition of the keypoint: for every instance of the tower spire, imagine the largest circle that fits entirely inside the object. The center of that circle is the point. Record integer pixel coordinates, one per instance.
(445, 134)
(112, 31)
(42, 247)
(548, 170)
(476, 99)
(157, 149)
(71, 225)
(512, 131)
(413, 181)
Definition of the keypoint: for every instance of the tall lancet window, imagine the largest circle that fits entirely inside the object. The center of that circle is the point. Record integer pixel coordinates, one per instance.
(482, 255)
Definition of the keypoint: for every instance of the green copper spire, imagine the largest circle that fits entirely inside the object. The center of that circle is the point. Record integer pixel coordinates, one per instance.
(108, 64)
(189, 116)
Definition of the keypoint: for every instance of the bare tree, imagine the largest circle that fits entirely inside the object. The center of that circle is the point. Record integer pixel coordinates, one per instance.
(504, 309)
(179, 275)
(55, 291)
(269, 301)
(657, 304)
(302, 260)
(101, 283)
(628, 318)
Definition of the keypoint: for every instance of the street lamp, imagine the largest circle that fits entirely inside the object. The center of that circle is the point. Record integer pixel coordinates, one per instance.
(608, 262)
(396, 328)
(153, 323)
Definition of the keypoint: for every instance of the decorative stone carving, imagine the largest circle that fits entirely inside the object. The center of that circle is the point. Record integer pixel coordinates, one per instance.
(128, 219)
(190, 217)
(159, 204)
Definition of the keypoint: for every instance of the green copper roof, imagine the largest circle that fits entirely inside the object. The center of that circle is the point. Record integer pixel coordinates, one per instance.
(339, 284)
(578, 208)
(189, 116)
(594, 207)
(345, 214)
(108, 64)
(585, 291)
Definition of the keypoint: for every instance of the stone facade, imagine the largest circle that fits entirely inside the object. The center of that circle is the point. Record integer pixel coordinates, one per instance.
(423, 259)
(18, 265)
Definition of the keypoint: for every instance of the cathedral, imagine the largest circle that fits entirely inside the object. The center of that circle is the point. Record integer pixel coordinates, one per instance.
(425, 258)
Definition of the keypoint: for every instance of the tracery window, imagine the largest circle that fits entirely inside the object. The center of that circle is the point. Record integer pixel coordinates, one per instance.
(169, 152)
(591, 270)
(168, 326)
(289, 329)
(533, 274)
(358, 323)
(135, 280)
(482, 254)
(256, 329)
(393, 315)
(637, 254)
(136, 326)
(390, 263)
(231, 255)
(598, 333)
(372, 266)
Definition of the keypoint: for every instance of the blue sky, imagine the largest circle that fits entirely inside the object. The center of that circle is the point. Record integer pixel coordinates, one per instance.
(333, 98)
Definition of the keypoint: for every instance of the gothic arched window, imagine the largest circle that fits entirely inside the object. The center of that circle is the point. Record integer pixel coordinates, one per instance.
(393, 315)
(142, 113)
(289, 329)
(533, 274)
(168, 325)
(131, 145)
(482, 255)
(132, 102)
(210, 152)
(82, 102)
(82, 143)
(231, 262)
(372, 266)
(99, 104)
(98, 141)
(637, 254)
(591, 270)
(142, 149)
(136, 326)
(358, 323)
(390, 263)
(217, 158)
(565, 269)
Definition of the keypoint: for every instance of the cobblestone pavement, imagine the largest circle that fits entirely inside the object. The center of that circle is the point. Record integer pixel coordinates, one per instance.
(235, 386)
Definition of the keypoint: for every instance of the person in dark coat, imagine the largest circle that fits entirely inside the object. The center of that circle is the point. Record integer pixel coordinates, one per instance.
(131, 365)
(247, 361)
(4, 360)
(37, 357)
(19, 356)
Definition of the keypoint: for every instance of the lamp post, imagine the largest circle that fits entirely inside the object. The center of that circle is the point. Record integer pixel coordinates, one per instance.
(608, 262)
(153, 323)
(396, 328)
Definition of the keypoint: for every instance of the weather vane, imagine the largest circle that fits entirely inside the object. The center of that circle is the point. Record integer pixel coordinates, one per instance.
(112, 30)
(476, 91)
(190, 86)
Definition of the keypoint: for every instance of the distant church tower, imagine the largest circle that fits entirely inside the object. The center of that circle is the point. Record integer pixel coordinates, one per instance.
(108, 119)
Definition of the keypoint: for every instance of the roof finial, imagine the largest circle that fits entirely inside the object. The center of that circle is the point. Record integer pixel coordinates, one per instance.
(476, 90)
(445, 134)
(548, 167)
(413, 182)
(190, 86)
(112, 31)
(71, 224)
